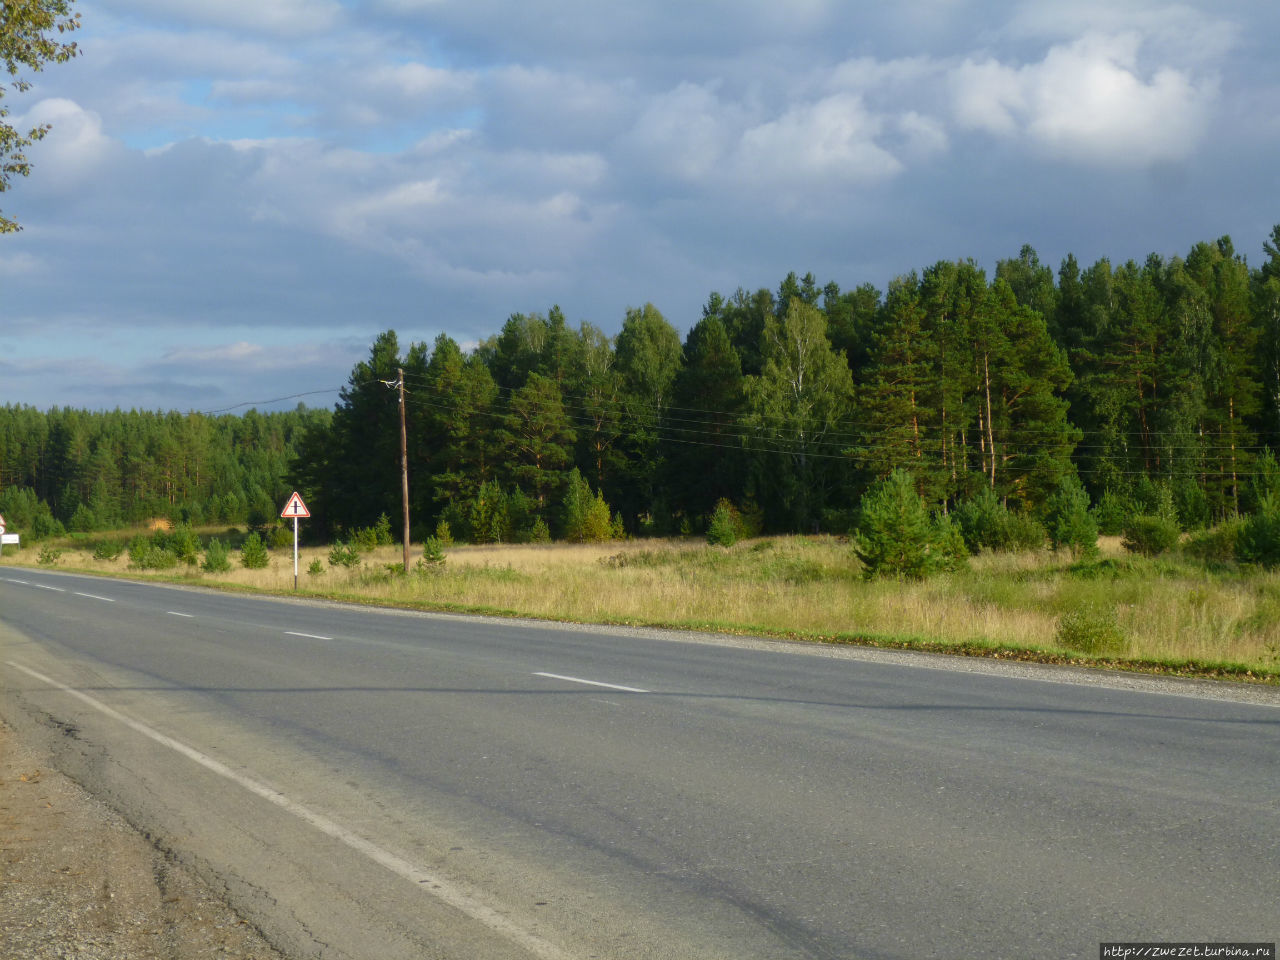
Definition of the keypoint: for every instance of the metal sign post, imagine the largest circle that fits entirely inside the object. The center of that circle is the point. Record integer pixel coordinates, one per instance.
(295, 508)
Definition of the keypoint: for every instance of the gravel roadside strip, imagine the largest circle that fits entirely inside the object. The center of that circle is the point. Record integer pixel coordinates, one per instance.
(76, 881)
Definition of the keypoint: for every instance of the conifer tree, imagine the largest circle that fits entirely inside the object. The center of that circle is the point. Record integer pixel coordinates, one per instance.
(538, 437)
(892, 400)
(703, 455)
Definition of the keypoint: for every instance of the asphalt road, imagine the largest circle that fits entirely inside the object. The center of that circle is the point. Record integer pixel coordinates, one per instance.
(383, 785)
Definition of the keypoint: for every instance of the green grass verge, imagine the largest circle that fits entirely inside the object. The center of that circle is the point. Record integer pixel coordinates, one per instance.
(1171, 667)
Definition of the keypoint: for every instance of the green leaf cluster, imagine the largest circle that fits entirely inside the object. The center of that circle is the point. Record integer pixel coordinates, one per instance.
(27, 39)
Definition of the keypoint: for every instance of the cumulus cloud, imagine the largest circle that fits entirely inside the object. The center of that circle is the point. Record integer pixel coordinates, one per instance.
(1088, 101)
(248, 169)
(692, 134)
(420, 80)
(75, 147)
(833, 139)
(683, 133)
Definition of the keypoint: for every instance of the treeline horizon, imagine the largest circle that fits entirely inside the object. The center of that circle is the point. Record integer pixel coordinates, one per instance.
(1153, 383)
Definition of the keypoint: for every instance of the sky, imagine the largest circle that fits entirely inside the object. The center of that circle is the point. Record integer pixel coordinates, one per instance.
(237, 196)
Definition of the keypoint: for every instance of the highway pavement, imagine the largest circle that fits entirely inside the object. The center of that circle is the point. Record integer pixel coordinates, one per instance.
(372, 784)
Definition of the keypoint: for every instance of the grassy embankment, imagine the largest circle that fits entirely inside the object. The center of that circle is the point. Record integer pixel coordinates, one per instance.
(1164, 616)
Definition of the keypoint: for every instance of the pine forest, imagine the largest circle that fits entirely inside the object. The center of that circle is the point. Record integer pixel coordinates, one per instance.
(1131, 390)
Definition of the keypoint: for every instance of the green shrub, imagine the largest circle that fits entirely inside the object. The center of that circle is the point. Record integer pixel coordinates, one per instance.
(215, 558)
(1112, 513)
(455, 514)
(540, 533)
(445, 534)
(1259, 539)
(986, 523)
(1156, 530)
(1024, 533)
(488, 516)
(597, 527)
(281, 537)
(1266, 480)
(897, 538)
(365, 539)
(723, 528)
(45, 526)
(158, 558)
(316, 567)
(981, 521)
(751, 519)
(107, 549)
(83, 519)
(138, 547)
(577, 498)
(1191, 504)
(522, 514)
(154, 552)
(1216, 544)
(253, 553)
(344, 555)
(382, 531)
(1091, 631)
(948, 549)
(181, 542)
(48, 556)
(433, 553)
(1150, 534)
(1069, 522)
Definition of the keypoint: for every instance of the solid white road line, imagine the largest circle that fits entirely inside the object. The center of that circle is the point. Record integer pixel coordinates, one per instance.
(93, 596)
(309, 636)
(429, 883)
(591, 683)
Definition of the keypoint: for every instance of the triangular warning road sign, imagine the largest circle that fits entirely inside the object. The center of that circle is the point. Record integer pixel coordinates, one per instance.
(295, 508)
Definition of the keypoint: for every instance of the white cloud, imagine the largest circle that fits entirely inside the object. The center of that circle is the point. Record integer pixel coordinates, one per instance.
(684, 132)
(253, 91)
(402, 203)
(1088, 101)
(75, 146)
(868, 73)
(989, 96)
(240, 352)
(21, 264)
(1173, 31)
(327, 164)
(419, 80)
(280, 17)
(922, 136)
(833, 139)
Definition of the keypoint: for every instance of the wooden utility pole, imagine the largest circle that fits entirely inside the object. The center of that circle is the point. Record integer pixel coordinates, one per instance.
(404, 470)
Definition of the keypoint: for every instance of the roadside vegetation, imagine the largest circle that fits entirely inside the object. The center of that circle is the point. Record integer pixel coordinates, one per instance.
(1174, 613)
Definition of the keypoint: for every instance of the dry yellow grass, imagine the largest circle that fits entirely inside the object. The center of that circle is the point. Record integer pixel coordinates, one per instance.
(807, 585)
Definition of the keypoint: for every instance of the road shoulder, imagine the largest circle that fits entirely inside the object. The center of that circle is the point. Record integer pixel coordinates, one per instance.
(79, 881)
